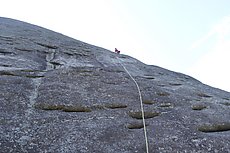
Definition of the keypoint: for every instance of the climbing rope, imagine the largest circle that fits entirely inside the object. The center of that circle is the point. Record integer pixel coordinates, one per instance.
(142, 108)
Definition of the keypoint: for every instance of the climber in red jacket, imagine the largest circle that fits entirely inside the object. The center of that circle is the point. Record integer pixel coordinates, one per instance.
(117, 51)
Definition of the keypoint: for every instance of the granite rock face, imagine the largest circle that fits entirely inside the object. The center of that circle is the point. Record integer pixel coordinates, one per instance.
(61, 95)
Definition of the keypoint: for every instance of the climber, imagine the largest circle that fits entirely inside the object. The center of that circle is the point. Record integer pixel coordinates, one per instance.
(117, 51)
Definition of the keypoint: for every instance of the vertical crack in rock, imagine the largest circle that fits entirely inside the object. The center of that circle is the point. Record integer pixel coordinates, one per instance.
(37, 81)
(29, 115)
(49, 58)
(34, 93)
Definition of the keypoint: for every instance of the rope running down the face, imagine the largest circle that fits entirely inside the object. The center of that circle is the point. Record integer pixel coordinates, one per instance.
(142, 108)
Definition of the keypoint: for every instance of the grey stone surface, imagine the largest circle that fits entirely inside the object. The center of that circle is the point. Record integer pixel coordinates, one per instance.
(61, 95)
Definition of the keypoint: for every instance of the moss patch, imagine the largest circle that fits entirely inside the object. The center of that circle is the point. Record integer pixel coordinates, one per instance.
(115, 105)
(175, 84)
(199, 107)
(87, 74)
(163, 94)
(62, 108)
(109, 82)
(7, 73)
(76, 109)
(138, 115)
(14, 73)
(44, 106)
(135, 125)
(165, 105)
(30, 70)
(85, 70)
(226, 103)
(218, 127)
(148, 102)
(203, 95)
(34, 76)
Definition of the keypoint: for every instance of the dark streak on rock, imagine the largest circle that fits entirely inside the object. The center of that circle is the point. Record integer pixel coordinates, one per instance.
(24, 49)
(47, 46)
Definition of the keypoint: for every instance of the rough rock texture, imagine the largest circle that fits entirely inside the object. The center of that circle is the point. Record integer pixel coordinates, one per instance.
(60, 95)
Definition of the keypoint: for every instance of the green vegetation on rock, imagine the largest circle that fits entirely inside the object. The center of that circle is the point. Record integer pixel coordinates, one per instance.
(65, 108)
(217, 127)
(138, 115)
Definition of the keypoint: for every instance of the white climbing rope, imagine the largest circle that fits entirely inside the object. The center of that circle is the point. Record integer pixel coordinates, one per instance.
(142, 108)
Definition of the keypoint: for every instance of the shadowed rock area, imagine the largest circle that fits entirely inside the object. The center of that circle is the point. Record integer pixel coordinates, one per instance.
(61, 95)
